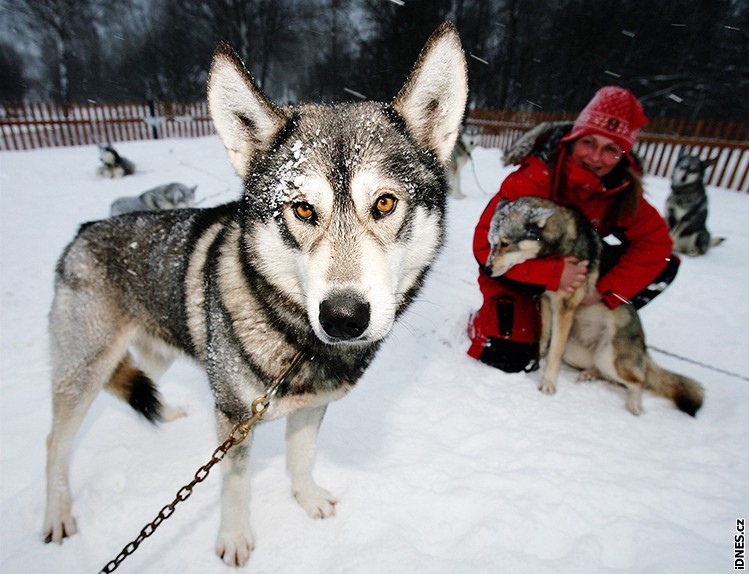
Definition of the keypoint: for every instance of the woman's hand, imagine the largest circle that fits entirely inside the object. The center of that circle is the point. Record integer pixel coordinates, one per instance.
(573, 275)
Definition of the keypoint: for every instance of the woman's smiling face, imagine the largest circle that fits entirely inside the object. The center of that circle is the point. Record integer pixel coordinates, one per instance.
(596, 153)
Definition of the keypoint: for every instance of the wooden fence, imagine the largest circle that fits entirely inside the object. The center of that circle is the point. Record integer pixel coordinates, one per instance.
(658, 144)
(32, 126)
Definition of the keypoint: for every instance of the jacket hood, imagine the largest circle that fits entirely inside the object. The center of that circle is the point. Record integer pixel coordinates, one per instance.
(539, 141)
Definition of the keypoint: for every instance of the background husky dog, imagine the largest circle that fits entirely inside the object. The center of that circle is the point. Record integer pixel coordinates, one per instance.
(168, 196)
(341, 216)
(113, 164)
(468, 140)
(605, 343)
(686, 206)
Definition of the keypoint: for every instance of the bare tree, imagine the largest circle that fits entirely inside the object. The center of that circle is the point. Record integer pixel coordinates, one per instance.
(332, 47)
(65, 32)
(529, 54)
(12, 81)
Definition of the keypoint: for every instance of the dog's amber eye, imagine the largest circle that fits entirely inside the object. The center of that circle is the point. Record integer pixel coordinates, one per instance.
(385, 205)
(304, 211)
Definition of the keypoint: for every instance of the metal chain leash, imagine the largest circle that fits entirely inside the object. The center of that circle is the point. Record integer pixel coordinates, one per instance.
(237, 435)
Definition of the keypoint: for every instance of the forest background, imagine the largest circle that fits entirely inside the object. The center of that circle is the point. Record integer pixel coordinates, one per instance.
(682, 59)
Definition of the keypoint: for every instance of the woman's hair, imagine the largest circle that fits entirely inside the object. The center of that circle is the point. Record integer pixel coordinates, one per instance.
(628, 200)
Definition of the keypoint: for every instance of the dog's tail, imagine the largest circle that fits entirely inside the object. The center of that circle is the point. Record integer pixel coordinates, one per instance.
(685, 392)
(134, 387)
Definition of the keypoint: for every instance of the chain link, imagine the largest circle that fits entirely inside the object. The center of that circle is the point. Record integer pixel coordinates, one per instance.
(237, 435)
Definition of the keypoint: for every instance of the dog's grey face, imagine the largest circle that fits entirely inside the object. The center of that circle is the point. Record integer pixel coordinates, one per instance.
(107, 155)
(180, 196)
(689, 169)
(515, 234)
(471, 137)
(343, 205)
(348, 215)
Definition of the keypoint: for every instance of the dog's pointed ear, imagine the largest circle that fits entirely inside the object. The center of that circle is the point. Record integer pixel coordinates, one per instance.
(501, 208)
(433, 100)
(708, 162)
(245, 119)
(540, 215)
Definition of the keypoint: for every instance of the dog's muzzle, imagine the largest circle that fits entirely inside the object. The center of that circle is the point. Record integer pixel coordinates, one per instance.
(344, 316)
(494, 271)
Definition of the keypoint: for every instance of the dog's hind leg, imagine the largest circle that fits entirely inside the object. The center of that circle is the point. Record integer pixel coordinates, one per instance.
(235, 541)
(80, 366)
(302, 427)
(633, 380)
(69, 410)
(622, 360)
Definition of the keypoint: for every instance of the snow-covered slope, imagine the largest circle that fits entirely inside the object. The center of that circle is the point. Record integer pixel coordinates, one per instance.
(441, 464)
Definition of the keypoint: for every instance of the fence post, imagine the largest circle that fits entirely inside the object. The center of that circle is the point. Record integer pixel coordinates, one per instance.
(152, 115)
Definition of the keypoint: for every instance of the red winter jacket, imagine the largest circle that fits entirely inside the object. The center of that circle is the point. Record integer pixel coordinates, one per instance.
(645, 234)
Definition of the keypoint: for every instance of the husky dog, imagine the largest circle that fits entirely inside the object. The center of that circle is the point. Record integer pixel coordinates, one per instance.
(113, 164)
(340, 218)
(604, 343)
(168, 196)
(686, 206)
(467, 142)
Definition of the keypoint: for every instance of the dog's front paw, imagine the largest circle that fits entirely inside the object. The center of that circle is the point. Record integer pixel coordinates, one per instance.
(55, 530)
(548, 387)
(58, 521)
(318, 502)
(235, 547)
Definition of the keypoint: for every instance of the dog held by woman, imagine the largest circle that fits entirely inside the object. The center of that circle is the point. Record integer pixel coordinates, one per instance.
(604, 343)
(341, 214)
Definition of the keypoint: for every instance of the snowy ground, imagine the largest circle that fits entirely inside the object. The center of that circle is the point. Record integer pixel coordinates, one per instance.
(441, 465)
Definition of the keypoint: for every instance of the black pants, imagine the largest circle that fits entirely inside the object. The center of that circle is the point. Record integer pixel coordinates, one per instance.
(610, 257)
(514, 356)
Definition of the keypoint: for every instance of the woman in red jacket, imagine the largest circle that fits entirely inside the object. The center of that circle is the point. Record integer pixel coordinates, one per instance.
(588, 165)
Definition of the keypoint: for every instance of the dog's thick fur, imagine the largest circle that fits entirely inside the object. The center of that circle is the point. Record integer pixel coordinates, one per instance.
(112, 163)
(604, 343)
(341, 216)
(467, 142)
(168, 196)
(686, 206)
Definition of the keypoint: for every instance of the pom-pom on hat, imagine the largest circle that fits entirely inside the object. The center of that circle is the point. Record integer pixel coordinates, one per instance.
(613, 112)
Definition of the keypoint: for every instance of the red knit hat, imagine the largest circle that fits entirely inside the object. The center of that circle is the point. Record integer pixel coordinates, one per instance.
(613, 112)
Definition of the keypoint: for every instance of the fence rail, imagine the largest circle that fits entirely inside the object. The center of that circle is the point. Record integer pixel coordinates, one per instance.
(658, 144)
(32, 126)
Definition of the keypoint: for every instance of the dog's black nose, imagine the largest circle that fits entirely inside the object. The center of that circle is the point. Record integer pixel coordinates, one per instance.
(344, 316)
